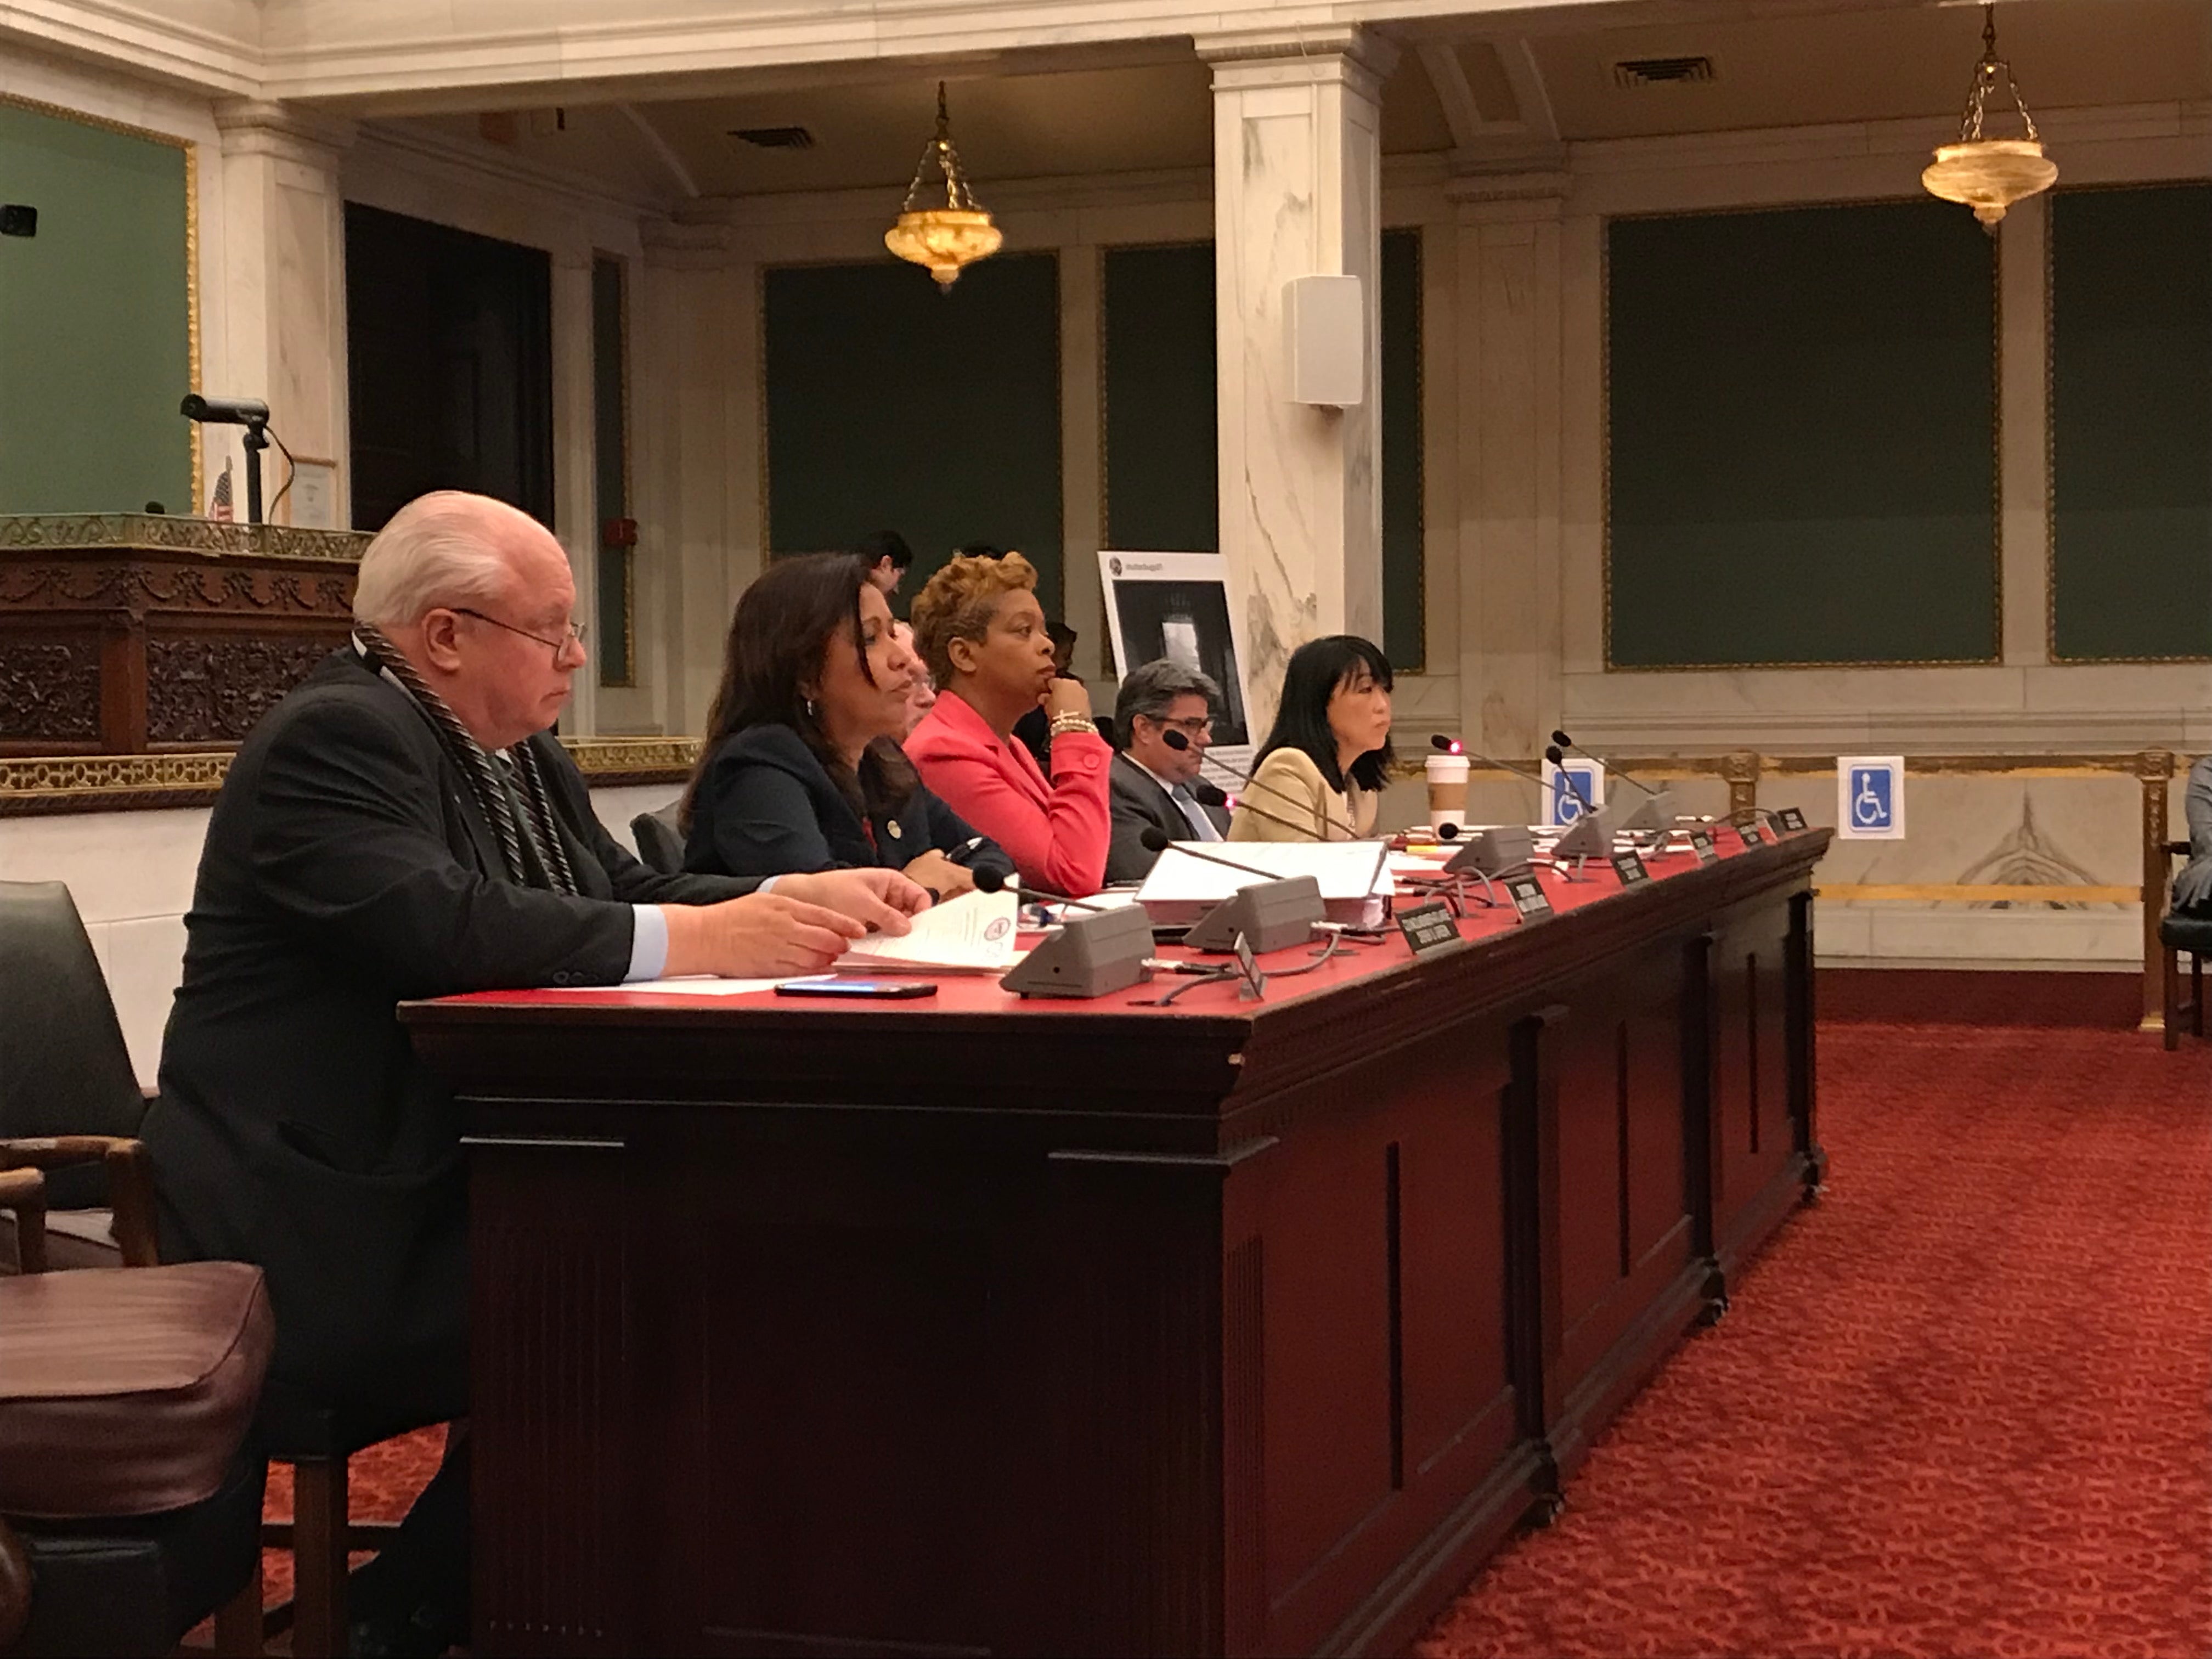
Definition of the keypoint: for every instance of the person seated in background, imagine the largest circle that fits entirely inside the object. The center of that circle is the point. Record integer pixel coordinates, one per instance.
(1321, 772)
(1032, 730)
(801, 767)
(1156, 785)
(888, 558)
(922, 690)
(2192, 883)
(982, 636)
(405, 825)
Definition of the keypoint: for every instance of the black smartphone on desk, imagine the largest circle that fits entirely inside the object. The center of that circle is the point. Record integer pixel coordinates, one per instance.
(880, 990)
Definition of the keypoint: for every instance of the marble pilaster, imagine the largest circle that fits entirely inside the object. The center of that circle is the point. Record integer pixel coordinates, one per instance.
(1297, 192)
(282, 288)
(1508, 373)
(575, 503)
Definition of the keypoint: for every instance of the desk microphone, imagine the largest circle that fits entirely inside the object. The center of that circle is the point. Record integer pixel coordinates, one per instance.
(1656, 810)
(1177, 741)
(1272, 913)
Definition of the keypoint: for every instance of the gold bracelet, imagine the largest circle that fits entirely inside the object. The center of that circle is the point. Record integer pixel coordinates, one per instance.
(1064, 724)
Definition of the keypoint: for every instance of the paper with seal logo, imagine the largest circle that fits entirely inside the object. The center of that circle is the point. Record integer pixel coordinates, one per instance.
(971, 935)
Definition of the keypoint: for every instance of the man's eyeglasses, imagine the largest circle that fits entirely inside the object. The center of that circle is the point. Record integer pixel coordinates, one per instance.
(1198, 727)
(576, 634)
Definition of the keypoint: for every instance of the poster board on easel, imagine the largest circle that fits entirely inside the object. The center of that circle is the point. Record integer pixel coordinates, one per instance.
(1177, 605)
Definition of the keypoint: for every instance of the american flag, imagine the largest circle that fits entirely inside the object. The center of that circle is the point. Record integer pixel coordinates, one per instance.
(219, 503)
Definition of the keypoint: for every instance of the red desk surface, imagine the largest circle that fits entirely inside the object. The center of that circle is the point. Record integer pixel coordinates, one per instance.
(979, 993)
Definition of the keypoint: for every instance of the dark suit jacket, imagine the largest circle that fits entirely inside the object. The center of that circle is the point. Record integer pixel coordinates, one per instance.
(347, 868)
(766, 805)
(1139, 804)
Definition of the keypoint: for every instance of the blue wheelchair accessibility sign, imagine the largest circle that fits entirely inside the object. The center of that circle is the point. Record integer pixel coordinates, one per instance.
(1571, 790)
(1870, 798)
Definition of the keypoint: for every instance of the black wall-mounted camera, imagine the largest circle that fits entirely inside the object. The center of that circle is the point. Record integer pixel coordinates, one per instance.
(16, 220)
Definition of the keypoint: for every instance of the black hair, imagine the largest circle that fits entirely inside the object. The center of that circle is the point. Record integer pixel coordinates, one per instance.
(785, 625)
(980, 550)
(873, 549)
(1061, 634)
(1317, 668)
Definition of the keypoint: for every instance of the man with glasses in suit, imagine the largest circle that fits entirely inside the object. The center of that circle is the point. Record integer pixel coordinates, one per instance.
(1155, 784)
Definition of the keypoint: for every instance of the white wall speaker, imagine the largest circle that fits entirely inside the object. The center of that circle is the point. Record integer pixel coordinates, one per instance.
(1325, 318)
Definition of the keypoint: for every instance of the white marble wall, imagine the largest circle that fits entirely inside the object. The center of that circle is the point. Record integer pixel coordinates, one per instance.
(131, 875)
(1297, 192)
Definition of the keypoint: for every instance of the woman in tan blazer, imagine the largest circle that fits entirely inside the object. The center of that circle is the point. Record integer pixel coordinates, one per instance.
(1322, 772)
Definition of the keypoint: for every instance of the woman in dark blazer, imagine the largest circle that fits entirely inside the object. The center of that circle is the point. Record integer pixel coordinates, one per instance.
(801, 769)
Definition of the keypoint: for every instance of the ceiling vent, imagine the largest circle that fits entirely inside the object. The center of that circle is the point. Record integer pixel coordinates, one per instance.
(1662, 71)
(775, 137)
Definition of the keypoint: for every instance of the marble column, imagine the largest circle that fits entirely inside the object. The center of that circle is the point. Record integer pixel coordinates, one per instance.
(575, 481)
(696, 463)
(1296, 192)
(282, 290)
(1508, 373)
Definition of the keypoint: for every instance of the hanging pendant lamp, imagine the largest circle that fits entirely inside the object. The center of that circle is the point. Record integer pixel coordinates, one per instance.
(944, 239)
(1989, 174)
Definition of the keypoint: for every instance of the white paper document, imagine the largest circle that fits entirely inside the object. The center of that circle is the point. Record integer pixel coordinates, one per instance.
(695, 985)
(1346, 870)
(971, 935)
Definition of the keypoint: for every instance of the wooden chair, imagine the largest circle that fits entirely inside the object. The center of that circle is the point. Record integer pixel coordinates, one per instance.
(2180, 935)
(135, 1512)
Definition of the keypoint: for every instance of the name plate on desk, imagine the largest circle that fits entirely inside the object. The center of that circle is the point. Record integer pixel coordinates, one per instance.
(1631, 868)
(1428, 928)
(1791, 819)
(1530, 901)
(1753, 831)
(1701, 843)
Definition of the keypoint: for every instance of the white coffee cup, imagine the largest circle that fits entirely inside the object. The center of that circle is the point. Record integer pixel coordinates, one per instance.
(1448, 791)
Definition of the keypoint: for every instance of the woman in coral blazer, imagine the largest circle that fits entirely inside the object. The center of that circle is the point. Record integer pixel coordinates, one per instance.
(982, 633)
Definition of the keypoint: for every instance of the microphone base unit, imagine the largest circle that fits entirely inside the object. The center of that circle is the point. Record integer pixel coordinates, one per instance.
(1493, 852)
(1654, 813)
(1089, 956)
(1272, 915)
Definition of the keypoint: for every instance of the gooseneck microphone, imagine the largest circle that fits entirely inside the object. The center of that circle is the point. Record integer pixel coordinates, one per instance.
(1156, 840)
(1175, 741)
(996, 881)
(252, 414)
(1563, 741)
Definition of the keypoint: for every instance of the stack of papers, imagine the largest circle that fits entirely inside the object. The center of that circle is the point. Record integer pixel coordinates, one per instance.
(1353, 877)
(971, 935)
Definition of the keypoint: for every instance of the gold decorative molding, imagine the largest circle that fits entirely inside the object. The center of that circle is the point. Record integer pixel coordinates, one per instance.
(112, 783)
(158, 532)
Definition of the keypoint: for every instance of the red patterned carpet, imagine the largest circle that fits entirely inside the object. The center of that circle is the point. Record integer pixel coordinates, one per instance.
(1964, 1399)
(1967, 1399)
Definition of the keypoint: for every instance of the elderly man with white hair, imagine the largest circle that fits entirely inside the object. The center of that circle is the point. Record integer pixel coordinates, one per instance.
(405, 825)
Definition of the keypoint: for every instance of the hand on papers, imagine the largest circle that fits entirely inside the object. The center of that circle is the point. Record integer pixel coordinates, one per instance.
(800, 928)
(881, 900)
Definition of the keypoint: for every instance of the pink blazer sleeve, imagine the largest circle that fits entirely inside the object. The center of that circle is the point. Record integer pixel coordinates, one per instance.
(1060, 846)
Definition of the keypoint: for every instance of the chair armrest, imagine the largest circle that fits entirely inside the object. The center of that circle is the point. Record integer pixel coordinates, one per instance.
(130, 1185)
(2177, 848)
(23, 1194)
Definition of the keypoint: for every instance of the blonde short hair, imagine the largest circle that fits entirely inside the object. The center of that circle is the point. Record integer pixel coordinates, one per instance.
(958, 603)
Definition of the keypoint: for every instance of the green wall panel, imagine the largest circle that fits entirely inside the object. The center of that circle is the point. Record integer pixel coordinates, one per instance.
(1161, 442)
(2131, 422)
(892, 406)
(94, 321)
(1801, 429)
(1404, 569)
(1161, 436)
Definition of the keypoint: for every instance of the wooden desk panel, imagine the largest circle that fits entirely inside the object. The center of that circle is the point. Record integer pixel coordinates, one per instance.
(991, 1327)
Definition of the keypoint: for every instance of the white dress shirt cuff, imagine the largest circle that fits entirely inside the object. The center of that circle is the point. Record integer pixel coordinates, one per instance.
(648, 938)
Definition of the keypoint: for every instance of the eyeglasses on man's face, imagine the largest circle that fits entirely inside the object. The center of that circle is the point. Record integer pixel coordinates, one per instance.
(559, 647)
(1198, 725)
